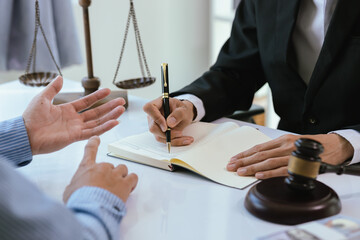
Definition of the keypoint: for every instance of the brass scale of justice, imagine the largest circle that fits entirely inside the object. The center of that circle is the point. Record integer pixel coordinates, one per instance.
(90, 83)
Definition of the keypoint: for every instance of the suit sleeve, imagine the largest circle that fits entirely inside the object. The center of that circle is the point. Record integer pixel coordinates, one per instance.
(232, 81)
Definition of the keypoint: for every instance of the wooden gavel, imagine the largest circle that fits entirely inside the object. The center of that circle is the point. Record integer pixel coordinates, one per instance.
(305, 165)
(299, 197)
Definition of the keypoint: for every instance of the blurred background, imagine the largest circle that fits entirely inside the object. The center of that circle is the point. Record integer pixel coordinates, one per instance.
(186, 34)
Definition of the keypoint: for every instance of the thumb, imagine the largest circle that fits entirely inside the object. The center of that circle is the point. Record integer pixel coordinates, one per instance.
(53, 88)
(91, 149)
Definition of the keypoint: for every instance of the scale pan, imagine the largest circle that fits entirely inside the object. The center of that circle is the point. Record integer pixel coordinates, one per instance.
(37, 79)
(135, 83)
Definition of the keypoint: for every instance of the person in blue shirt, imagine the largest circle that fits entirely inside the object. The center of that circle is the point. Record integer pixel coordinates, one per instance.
(95, 198)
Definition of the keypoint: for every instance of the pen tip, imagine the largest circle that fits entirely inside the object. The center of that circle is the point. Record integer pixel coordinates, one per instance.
(168, 146)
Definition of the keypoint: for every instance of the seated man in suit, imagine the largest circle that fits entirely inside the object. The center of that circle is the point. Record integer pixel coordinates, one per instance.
(309, 53)
(97, 192)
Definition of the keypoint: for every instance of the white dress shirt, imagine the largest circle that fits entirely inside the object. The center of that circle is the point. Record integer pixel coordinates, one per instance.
(308, 37)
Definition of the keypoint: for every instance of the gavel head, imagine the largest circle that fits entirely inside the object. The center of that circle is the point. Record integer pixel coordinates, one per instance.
(304, 164)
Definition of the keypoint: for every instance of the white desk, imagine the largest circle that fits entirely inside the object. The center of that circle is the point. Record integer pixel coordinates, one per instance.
(165, 205)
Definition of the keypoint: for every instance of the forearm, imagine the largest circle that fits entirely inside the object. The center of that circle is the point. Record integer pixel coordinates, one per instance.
(14, 142)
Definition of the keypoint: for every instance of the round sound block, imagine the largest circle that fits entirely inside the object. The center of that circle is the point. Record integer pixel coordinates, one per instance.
(273, 200)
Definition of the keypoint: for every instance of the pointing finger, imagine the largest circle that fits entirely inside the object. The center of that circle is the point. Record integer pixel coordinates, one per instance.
(91, 149)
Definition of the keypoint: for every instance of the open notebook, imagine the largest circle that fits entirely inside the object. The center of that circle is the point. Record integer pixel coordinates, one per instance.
(207, 156)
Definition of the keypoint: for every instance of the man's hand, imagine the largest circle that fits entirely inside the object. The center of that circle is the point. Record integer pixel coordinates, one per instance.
(103, 175)
(270, 159)
(52, 127)
(181, 116)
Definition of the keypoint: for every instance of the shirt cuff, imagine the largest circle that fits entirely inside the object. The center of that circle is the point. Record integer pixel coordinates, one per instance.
(197, 102)
(100, 204)
(96, 195)
(14, 142)
(93, 204)
(353, 137)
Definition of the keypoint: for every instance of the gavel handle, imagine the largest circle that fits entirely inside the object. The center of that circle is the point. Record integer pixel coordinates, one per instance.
(340, 169)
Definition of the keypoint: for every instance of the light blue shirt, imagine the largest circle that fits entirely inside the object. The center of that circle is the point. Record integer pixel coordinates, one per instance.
(26, 213)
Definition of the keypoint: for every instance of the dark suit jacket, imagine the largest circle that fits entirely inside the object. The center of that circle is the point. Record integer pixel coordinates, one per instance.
(260, 50)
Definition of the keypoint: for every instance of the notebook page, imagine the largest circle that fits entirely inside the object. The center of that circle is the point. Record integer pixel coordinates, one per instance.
(145, 144)
(211, 159)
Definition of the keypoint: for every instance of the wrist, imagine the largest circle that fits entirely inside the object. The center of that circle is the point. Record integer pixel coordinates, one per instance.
(29, 135)
(192, 109)
(346, 148)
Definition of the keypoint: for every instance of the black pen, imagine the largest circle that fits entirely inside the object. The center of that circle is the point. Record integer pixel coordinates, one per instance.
(165, 97)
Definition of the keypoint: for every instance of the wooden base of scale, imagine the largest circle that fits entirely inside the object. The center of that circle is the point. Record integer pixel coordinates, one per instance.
(90, 85)
(69, 97)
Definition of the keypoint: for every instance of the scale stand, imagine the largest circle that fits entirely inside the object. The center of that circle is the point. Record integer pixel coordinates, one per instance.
(90, 83)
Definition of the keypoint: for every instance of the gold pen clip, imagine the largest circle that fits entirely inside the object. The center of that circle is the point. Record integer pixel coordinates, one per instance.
(164, 71)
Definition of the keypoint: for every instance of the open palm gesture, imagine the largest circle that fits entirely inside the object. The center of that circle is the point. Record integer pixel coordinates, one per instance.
(52, 127)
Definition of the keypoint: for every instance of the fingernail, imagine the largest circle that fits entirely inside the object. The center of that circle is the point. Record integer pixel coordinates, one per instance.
(231, 165)
(163, 127)
(241, 171)
(120, 108)
(186, 142)
(172, 120)
(259, 175)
